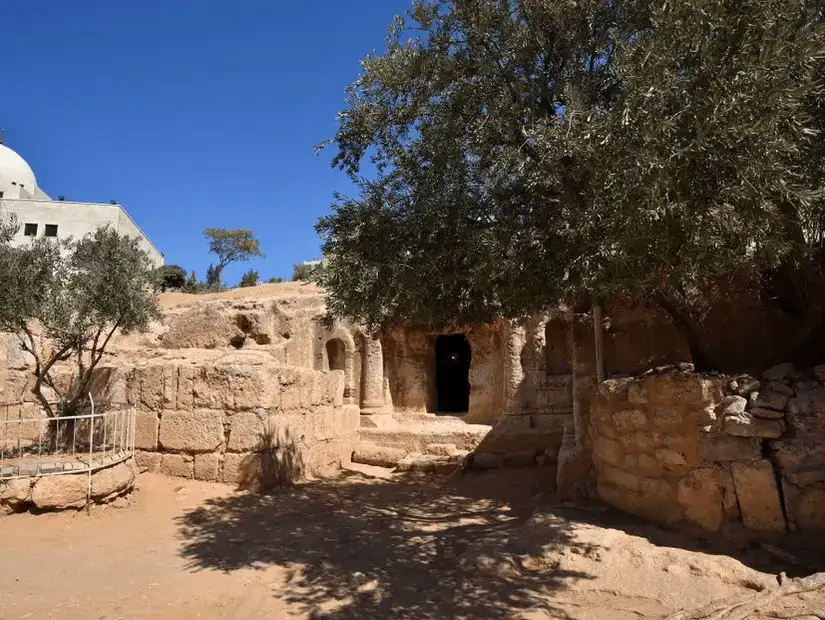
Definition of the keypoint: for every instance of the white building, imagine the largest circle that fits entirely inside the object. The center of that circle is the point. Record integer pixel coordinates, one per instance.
(40, 216)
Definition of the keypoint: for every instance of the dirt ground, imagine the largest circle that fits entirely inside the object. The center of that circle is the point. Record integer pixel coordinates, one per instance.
(365, 545)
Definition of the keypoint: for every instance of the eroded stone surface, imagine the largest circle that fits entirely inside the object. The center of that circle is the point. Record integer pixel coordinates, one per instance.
(758, 496)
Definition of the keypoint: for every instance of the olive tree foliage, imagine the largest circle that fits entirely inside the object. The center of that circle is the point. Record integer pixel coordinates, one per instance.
(237, 245)
(66, 299)
(532, 152)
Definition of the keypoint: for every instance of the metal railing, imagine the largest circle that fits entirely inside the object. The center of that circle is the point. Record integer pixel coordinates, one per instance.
(33, 444)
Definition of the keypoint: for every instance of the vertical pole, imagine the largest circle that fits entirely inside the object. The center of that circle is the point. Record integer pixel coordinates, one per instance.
(91, 444)
(598, 333)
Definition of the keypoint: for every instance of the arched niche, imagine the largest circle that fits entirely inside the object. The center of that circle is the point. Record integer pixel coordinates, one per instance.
(339, 354)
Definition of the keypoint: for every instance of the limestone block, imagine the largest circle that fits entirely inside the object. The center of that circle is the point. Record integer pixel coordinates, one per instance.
(178, 465)
(442, 449)
(758, 496)
(484, 460)
(207, 467)
(771, 398)
(522, 458)
(380, 456)
(608, 451)
(151, 388)
(700, 495)
(185, 399)
(780, 372)
(673, 461)
(637, 442)
(323, 423)
(133, 386)
(206, 326)
(656, 502)
(113, 480)
(59, 492)
(644, 465)
(721, 447)
(630, 420)
(170, 386)
(685, 390)
(291, 397)
(346, 420)
(148, 461)
(247, 469)
(733, 405)
(283, 430)
(146, 430)
(334, 382)
(246, 432)
(231, 387)
(196, 431)
(743, 385)
(745, 425)
(809, 509)
(637, 393)
(618, 477)
(767, 414)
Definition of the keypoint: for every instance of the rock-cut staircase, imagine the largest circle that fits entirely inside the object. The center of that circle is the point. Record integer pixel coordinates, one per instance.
(417, 441)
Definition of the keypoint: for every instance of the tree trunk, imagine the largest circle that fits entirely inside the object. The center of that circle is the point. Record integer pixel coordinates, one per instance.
(688, 323)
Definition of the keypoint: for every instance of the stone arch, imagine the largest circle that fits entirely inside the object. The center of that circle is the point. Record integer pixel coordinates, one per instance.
(339, 355)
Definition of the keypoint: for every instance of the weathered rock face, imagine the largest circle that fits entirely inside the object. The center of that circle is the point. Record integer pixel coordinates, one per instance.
(680, 447)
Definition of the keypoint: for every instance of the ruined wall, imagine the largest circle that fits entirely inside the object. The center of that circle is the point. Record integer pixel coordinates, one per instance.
(240, 424)
(713, 451)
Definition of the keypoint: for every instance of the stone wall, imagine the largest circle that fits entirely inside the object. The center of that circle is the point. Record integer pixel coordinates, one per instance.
(713, 451)
(245, 425)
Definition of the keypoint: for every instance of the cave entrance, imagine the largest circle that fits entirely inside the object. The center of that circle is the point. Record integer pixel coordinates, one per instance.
(452, 373)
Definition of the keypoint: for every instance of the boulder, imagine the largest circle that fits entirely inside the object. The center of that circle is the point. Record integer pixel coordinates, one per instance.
(371, 454)
(767, 414)
(743, 385)
(113, 480)
(60, 492)
(780, 372)
(733, 405)
(745, 425)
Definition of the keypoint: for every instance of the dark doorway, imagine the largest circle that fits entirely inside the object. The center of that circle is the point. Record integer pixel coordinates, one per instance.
(452, 373)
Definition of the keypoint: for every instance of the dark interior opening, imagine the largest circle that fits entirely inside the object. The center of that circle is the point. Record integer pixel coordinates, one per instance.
(337, 354)
(452, 373)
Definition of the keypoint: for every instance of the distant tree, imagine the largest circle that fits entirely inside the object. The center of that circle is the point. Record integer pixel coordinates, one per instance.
(170, 277)
(250, 278)
(230, 246)
(304, 272)
(66, 299)
(213, 278)
(275, 280)
(192, 285)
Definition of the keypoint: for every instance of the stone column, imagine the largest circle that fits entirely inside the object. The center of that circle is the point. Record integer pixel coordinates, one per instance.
(373, 396)
(516, 339)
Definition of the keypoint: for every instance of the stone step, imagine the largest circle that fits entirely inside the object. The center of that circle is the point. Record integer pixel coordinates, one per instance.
(416, 438)
(415, 418)
(367, 453)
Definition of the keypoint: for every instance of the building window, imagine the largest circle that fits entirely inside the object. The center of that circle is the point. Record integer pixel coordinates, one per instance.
(51, 230)
(30, 230)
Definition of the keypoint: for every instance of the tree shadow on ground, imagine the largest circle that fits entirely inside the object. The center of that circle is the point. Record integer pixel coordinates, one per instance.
(362, 548)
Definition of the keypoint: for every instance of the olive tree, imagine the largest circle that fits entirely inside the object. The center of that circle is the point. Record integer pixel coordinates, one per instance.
(237, 245)
(529, 152)
(65, 300)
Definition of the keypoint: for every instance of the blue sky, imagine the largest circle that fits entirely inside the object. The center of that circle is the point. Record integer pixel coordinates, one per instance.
(191, 113)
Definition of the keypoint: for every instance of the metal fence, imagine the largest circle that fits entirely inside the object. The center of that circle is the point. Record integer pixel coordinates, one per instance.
(33, 444)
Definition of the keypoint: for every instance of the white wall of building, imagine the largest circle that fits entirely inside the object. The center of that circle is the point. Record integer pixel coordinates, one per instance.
(74, 219)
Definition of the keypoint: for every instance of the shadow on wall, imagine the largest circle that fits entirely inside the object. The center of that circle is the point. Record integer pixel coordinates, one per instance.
(361, 548)
(277, 463)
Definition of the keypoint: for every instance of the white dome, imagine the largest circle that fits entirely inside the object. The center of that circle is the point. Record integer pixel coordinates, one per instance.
(15, 174)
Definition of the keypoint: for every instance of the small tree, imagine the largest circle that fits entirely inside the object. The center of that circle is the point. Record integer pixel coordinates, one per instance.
(303, 272)
(170, 277)
(192, 285)
(250, 278)
(275, 280)
(231, 246)
(213, 279)
(65, 300)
